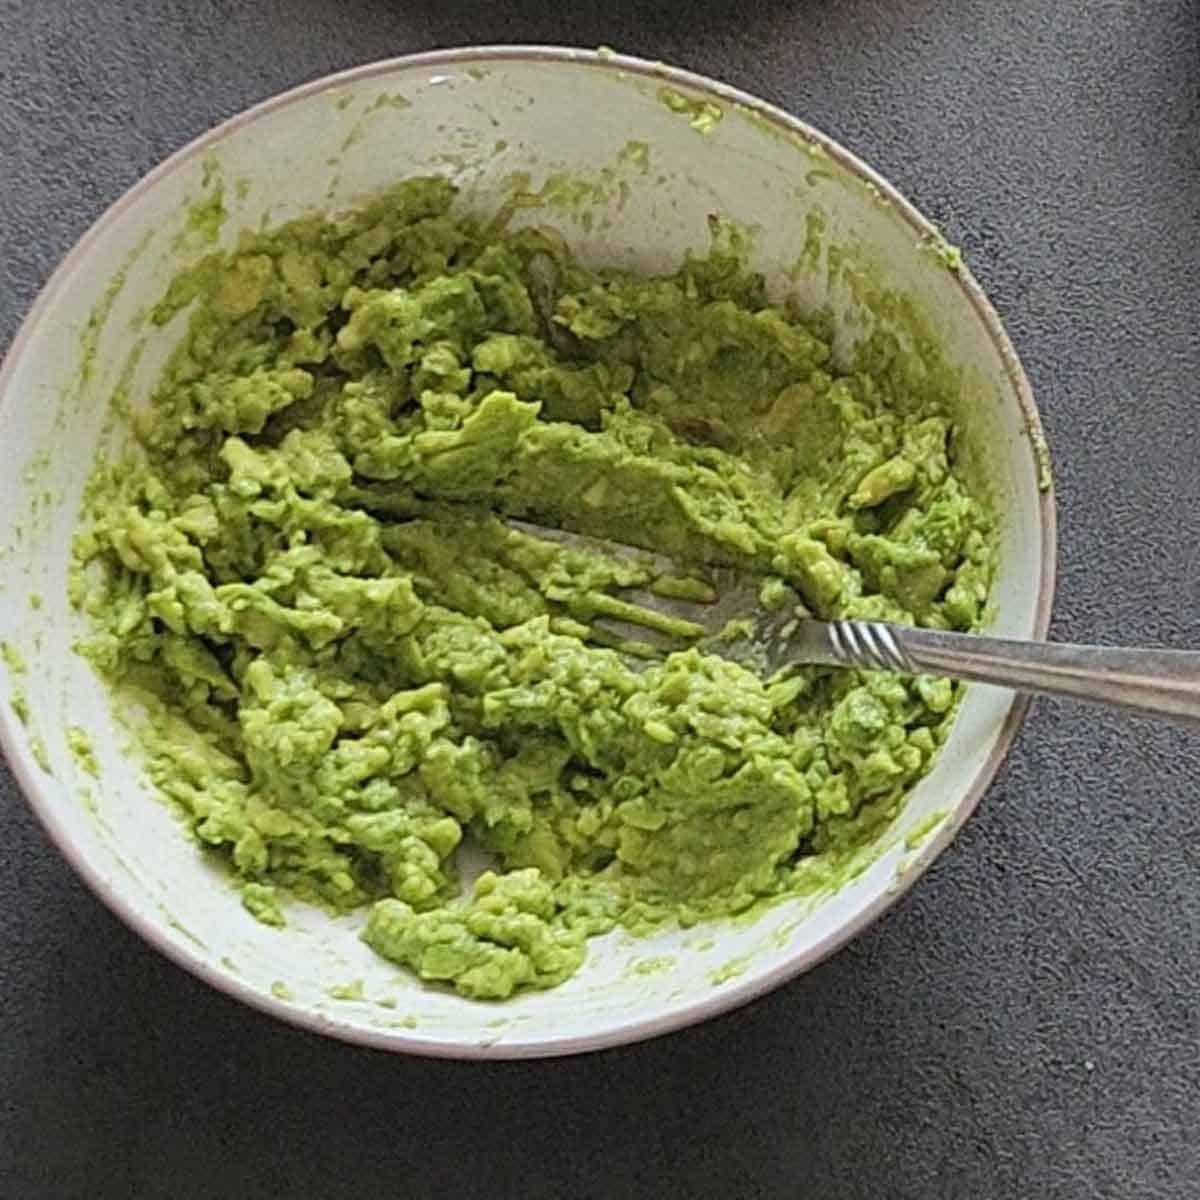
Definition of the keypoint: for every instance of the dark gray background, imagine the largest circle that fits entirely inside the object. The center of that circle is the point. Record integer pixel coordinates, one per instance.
(1026, 1023)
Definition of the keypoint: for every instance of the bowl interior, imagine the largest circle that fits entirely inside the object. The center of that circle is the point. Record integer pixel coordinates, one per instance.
(630, 161)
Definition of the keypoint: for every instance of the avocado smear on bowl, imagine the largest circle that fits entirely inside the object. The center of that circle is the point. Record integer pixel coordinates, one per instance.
(352, 665)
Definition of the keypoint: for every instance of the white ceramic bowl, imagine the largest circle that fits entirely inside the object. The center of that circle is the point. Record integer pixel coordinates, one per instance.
(478, 116)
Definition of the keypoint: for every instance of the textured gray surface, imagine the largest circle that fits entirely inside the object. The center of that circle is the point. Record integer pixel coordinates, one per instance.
(1027, 1021)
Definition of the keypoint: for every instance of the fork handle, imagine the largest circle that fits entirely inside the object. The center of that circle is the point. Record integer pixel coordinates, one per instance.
(1157, 683)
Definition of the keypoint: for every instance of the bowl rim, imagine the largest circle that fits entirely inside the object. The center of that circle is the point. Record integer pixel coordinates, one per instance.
(721, 1000)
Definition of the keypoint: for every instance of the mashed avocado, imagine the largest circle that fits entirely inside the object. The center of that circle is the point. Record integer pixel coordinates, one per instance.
(352, 665)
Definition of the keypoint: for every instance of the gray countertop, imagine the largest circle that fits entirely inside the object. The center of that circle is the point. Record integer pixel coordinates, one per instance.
(1026, 1022)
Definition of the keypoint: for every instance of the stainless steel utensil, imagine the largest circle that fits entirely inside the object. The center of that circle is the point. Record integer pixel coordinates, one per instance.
(731, 621)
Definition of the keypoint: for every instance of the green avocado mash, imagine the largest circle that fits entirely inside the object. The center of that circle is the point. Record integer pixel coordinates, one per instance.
(352, 665)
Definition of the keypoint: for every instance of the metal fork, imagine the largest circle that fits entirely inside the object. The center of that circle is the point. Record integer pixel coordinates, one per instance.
(727, 618)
